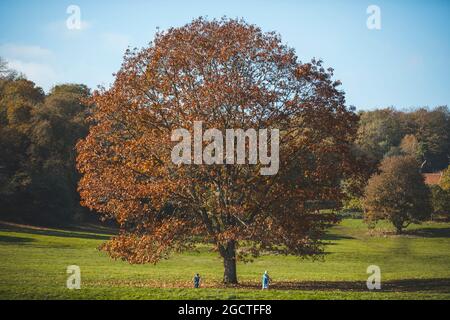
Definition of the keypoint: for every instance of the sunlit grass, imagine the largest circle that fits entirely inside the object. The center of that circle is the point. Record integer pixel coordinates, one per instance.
(33, 265)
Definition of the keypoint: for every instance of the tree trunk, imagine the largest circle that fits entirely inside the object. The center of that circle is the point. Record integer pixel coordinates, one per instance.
(399, 228)
(399, 225)
(229, 262)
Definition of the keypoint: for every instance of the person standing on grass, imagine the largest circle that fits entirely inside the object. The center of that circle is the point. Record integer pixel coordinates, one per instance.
(197, 280)
(265, 280)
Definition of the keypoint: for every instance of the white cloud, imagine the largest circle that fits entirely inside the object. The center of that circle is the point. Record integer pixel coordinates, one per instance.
(33, 61)
(22, 52)
(41, 74)
(59, 29)
(85, 25)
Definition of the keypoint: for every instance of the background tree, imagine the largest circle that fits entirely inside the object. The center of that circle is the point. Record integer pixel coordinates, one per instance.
(440, 200)
(378, 132)
(230, 75)
(445, 179)
(3, 67)
(432, 129)
(6, 73)
(57, 126)
(398, 193)
(353, 186)
(411, 146)
(38, 133)
(18, 97)
(387, 132)
(441, 195)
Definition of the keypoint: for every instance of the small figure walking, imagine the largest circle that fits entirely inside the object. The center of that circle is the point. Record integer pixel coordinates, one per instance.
(265, 280)
(197, 280)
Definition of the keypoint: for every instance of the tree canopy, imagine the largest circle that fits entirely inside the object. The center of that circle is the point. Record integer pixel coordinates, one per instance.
(423, 133)
(228, 74)
(38, 133)
(398, 193)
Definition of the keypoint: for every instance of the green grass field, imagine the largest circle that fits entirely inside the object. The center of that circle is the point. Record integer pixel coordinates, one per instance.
(416, 265)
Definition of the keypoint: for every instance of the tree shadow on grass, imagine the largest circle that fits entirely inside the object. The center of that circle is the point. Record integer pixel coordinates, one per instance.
(336, 237)
(331, 239)
(407, 285)
(436, 285)
(52, 232)
(14, 240)
(429, 232)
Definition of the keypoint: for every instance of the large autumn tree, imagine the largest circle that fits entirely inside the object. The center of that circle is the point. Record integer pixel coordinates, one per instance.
(228, 74)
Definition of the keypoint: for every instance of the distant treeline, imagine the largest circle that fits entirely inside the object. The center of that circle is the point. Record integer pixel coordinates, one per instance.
(422, 133)
(38, 134)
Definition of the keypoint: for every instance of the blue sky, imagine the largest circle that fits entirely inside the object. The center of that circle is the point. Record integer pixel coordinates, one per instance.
(404, 64)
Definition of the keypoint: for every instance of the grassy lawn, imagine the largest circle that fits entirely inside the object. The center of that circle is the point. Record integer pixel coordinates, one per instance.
(416, 265)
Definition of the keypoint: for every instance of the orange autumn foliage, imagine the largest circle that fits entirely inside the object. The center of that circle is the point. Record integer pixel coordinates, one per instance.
(228, 74)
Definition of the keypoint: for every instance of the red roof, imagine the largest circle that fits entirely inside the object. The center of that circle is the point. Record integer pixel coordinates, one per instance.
(432, 178)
